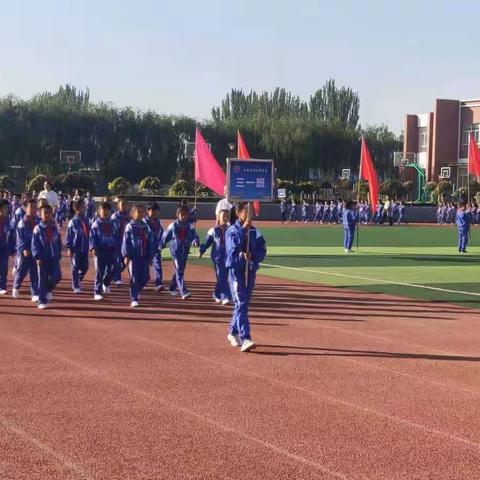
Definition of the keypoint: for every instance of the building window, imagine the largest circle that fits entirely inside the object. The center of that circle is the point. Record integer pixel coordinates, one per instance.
(422, 139)
(475, 129)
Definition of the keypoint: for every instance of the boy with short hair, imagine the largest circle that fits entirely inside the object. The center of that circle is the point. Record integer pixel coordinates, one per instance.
(137, 251)
(463, 220)
(77, 243)
(121, 218)
(7, 243)
(215, 239)
(156, 228)
(25, 263)
(181, 235)
(47, 253)
(104, 247)
(245, 249)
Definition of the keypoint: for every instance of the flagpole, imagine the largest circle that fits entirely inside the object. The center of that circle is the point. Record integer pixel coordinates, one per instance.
(358, 192)
(247, 262)
(468, 186)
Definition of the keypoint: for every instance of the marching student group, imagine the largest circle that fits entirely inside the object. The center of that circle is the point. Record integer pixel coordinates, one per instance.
(126, 238)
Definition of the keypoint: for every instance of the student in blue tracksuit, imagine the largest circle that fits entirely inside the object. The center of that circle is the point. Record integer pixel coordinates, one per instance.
(137, 251)
(24, 262)
(78, 244)
(180, 235)
(283, 210)
(216, 239)
(20, 211)
(245, 249)
(401, 213)
(47, 252)
(104, 246)
(7, 243)
(318, 212)
(155, 226)
(349, 220)
(293, 212)
(463, 220)
(121, 218)
(90, 208)
(305, 211)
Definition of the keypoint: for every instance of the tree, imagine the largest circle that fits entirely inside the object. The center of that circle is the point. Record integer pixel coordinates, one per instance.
(179, 189)
(68, 182)
(36, 183)
(150, 183)
(6, 183)
(393, 188)
(119, 186)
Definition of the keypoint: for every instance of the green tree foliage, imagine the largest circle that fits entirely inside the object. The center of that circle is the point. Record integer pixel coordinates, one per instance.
(119, 186)
(36, 183)
(393, 189)
(69, 182)
(6, 183)
(179, 189)
(150, 183)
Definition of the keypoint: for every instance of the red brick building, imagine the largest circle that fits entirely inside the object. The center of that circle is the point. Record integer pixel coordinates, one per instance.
(439, 139)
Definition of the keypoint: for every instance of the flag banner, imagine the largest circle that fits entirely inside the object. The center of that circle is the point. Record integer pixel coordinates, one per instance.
(473, 157)
(242, 153)
(207, 170)
(368, 173)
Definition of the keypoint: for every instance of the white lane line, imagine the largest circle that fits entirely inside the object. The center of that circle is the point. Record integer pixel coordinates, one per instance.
(187, 411)
(64, 461)
(369, 279)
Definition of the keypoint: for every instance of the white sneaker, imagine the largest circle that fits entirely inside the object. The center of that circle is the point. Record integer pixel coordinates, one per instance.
(49, 295)
(134, 304)
(15, 293)
(216, 299)
(106, 289)
(97, 297)
(42, 306)
(225, 301)
(186, 295)
(173, 293)
(3, 292)
(159, 288)
(347, 250)
(35, 298)
(233, 339)
(247, 346)
(117, 282)
(77, 290)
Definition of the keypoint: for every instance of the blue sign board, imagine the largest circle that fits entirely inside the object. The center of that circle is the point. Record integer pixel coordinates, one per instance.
(250, 180)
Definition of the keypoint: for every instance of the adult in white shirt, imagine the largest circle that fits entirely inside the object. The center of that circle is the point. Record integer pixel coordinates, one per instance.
(49, 195)
(223, 204)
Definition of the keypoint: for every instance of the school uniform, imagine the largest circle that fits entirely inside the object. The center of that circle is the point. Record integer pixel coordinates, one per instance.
(90, 209)
(283, 211)
(318, 212)
(104, 241)
(7, 248)
(47, 247)
(293, 212)
(326, 213)
(18, 215)
(120, 219)
(305, 213)
(215, 239)
(180, 236)
(157, 232)
(349, 220)
(463, 219)
(401, 214)
(25, 264)
(138, 247)
(237, 240)
(78, 242)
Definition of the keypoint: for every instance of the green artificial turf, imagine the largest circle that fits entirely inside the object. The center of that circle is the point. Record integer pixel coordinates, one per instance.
(418, 256)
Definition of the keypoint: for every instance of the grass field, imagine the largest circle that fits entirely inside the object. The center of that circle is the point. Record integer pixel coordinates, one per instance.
(414, 261)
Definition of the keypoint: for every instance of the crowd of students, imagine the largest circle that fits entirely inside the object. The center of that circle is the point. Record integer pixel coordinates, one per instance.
(126, 238)
(331, 212)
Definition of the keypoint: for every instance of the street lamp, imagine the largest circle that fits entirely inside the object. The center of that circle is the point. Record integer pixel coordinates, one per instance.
(231, 146)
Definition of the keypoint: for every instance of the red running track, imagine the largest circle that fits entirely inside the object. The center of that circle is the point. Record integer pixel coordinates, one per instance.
(344, 385)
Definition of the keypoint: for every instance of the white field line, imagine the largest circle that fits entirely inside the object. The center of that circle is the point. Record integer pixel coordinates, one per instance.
(369, 279)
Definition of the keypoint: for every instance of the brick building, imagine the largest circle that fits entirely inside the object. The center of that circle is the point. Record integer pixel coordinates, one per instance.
(438, 141)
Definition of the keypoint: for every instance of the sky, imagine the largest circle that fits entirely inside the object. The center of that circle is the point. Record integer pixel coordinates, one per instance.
(182, 57)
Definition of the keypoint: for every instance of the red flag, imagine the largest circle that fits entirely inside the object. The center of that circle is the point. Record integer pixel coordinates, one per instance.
(368, 173)
(207, 170)
(473, 157)
(242, 153)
